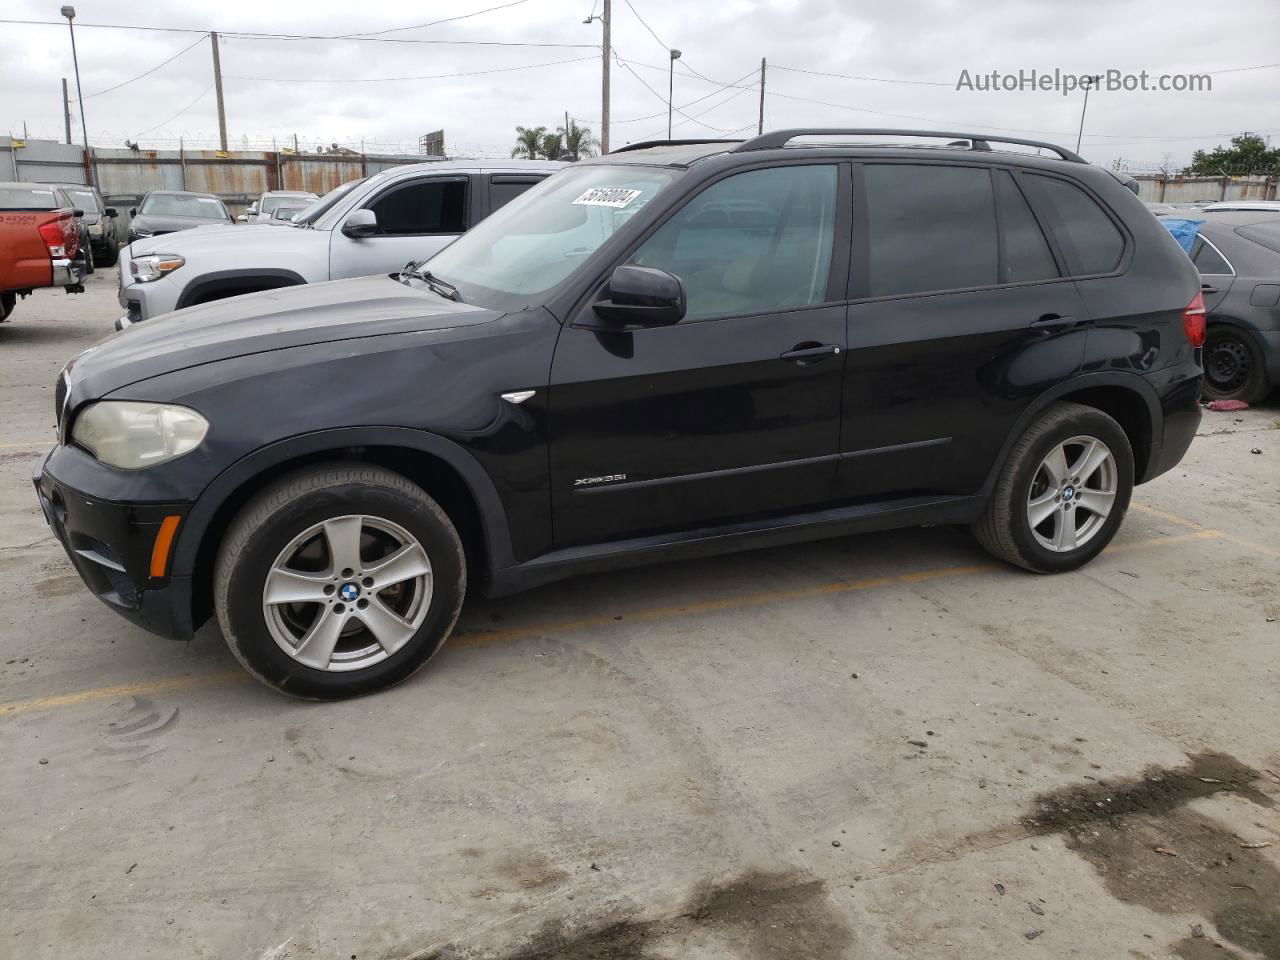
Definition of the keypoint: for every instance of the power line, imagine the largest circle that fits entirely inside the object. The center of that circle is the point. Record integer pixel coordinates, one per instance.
(661, 113)
(627, 66)
(431, 23)
(852, 76)
(436, 76)
(197, 43)
(737, 93)
(178, 114)
(257, 35)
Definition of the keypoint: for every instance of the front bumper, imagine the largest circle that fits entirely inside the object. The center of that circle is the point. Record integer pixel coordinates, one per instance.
(112, 545)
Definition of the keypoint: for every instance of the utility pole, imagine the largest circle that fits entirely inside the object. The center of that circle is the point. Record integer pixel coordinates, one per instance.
(1088, 83)
(671, 81)
(760, 125)
(70, 13)
(604, 92)
(217, 84)
(66, 108)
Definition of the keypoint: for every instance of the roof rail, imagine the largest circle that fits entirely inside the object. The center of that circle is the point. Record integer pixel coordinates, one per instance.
(646, 144)
(979, 141)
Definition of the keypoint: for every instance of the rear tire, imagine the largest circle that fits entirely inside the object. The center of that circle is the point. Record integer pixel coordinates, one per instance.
(1234, 367)
(7, 302)
(306, 592)
(110, 255)
(1062, 492)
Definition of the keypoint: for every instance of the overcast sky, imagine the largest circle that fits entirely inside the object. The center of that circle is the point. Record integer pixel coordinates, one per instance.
(905, 40)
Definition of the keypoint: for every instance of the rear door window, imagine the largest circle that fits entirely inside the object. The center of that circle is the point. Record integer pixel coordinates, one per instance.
(423, 207)
(931, 228)
(503, 188)
(1090, 241)
(1026, 254)
(1208, 260)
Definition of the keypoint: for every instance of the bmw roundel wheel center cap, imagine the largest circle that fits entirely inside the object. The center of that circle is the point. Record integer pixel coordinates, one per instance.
(349, 592)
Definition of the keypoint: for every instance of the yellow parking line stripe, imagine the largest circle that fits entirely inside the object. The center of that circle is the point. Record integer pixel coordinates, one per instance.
(122, 690)
(644, 615)
(1191, 524)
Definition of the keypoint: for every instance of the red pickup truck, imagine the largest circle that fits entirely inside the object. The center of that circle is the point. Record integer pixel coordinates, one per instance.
(39, 243)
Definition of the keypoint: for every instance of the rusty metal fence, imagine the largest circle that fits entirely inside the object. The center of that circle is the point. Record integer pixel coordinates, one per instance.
(238, 177)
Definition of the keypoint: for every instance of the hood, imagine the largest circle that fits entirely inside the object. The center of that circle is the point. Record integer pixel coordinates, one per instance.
(342, 310)
(158, 224)
(233, 239)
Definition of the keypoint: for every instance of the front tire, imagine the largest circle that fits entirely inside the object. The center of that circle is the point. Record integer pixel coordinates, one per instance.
(1062, 493)
(339, 580)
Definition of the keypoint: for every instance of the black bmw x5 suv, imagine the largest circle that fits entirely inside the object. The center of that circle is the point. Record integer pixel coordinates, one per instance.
(675, 350)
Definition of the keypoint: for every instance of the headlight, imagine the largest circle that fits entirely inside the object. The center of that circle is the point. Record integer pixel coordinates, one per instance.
(146, 269)
(132, 435)
(139, 232)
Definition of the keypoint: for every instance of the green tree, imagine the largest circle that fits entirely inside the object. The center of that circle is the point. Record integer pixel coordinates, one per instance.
(1248, 153)
(529, 142)
(553, 147)
(578, 142)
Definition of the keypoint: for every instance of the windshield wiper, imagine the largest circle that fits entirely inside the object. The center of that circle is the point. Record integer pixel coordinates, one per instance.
(438, 286)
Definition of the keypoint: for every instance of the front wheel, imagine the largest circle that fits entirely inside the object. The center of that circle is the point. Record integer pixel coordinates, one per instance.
(339, 580)
(1062, 492)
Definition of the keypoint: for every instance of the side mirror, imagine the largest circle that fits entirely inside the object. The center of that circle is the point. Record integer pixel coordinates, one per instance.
(110, 212)
(78, 213)
(361, 223)
(642, 297)
(243, 218)
(252, 211)
(133, 211)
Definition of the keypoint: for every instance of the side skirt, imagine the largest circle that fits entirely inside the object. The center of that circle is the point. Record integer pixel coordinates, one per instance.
(710, 541)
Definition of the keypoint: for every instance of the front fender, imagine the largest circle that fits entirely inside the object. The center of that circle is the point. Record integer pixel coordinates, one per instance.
(245, 471)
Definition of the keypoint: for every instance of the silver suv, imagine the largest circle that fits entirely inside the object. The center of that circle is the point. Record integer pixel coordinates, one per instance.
(368, 226)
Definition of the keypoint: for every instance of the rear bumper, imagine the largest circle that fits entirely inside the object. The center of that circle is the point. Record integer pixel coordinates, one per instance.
(67, 273)
(1180, 405)
(111, 545)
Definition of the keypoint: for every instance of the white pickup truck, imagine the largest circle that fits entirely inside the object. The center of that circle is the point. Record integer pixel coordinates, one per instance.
(373, 225)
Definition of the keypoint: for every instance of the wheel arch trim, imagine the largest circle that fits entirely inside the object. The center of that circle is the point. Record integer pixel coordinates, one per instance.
(492, 513)
(224, 279)
(1125, 381)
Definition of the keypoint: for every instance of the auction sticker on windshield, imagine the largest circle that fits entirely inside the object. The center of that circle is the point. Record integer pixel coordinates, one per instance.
(617, 197)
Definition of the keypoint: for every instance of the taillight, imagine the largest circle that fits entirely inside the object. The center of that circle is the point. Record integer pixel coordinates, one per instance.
(1193, 320)
(54, 238)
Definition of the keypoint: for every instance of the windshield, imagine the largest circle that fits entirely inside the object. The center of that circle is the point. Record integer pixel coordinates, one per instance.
(534, 242)
(183, 205)
(313, 212)
(28, 198)
(286, 212)
(84, 200)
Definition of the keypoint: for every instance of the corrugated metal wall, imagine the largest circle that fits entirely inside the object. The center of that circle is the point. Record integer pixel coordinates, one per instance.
(1159, 189)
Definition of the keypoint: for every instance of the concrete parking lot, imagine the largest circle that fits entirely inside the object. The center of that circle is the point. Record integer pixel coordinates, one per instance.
(876, 747)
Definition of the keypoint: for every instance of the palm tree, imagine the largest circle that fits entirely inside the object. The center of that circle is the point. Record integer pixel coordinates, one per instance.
(529, 142)
(553, 147)
(577, 142)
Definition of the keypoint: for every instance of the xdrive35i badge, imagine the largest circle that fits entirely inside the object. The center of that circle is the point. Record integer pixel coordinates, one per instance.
(593, 481)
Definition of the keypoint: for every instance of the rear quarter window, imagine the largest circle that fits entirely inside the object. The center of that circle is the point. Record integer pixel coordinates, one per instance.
(1264, 234)
(1090, 241)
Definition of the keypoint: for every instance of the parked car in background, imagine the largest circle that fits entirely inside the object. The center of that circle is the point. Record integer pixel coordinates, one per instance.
(263, 209)
(1160, 209)
(285, 212)
(39, 242)
(1238, 256)
(1255, 206)
(99, 221)
(169, 211)
(373, 225)
(671, 351)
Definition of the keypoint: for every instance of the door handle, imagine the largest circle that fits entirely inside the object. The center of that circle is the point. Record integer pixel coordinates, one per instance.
(807, 353)
(1208, 288)
(1055, 320)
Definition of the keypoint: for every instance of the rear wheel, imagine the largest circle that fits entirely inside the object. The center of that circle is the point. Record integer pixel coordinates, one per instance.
(339, 581)
(110, 254)
(1063, 491)
(7, 302)
(1234, 368)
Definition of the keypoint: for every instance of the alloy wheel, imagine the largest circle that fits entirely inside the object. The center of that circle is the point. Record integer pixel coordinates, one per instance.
(1072, 493)
(347, 593)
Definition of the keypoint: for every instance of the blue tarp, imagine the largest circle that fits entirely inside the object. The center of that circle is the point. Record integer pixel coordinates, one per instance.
(1184, 231)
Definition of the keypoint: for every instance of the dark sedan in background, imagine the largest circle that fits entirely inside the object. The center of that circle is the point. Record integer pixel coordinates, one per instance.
(1238, 256)
(168, 211)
